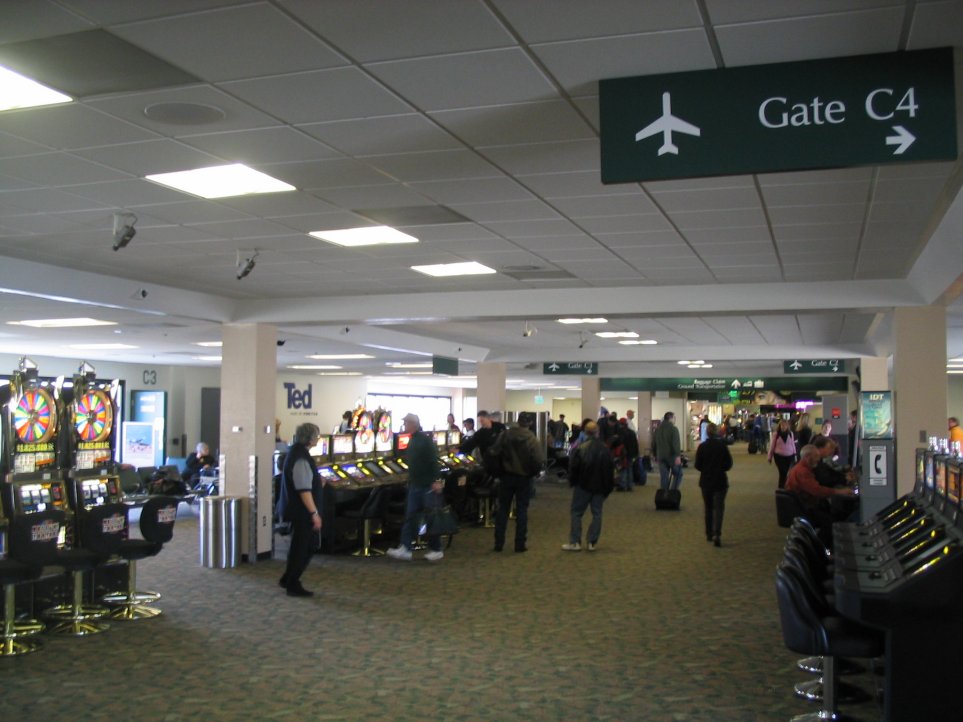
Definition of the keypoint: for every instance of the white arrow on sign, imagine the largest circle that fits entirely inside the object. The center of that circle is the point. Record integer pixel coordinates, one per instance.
(903, 138)
(735, 384)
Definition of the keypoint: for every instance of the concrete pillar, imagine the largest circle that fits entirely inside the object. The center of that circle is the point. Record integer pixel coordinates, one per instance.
(874, 373)
(919, 384)
(643, 420)
(248, 391)
(491, 386)
(591, 397)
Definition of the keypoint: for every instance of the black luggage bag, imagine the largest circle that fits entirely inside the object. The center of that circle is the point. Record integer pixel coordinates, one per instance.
(753, 447)
(667, 499)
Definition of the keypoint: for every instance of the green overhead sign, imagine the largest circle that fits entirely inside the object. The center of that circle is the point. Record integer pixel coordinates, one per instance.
(444, 366)
(864, 110)
(745, 387)
(814, 366)
(561, 368)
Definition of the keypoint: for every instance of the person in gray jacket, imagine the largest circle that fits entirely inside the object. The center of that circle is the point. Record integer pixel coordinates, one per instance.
(668, 451)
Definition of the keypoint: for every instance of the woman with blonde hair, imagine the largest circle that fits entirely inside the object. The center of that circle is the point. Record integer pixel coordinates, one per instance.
(782, 448)
(804, 432)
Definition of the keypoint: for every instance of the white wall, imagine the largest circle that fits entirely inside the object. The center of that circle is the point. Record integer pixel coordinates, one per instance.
(954, 387)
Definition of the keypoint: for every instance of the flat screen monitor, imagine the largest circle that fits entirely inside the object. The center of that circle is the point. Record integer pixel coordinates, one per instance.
(953, 483)
(322, 450)
(374, 468)
(440, 438)
(454, 438)
(342, 445)
(939, 475)
(929, 478)
(402, 441)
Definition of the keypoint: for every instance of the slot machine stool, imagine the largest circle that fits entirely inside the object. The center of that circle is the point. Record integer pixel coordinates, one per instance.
(485, 495)
(33, 544)
(100, 531)
(374, 509)
(157, 518)
(806, 630)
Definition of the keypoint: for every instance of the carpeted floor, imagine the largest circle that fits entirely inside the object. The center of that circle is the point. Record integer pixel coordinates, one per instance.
(655, 625)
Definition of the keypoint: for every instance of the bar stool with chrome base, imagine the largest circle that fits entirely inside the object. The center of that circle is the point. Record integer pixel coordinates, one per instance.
(100, 530)
(157, 527)
(373, 510)
(33, 544)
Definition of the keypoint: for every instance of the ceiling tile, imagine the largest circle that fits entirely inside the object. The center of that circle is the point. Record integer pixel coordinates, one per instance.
(554, 157)
(28, 19)
(489, 190)
(325, 173)
(314, 96)
(57, 169)
(377, 136)
(434, 165)
(236, 42)
(466, 80)
(264, 145)
(707, 200)
(507, 211)
(539, 122)
(70, 126)
(148, 157)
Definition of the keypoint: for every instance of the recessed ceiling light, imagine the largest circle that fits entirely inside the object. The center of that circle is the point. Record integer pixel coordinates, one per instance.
(367, 236)
(470, 268)
(221, 181)
(338, 356)
(400, 365)
(61, 322)
(340, 373)
(640, 342)
(408, 373)
(208, 358)
(314, 367)
(583, 320)
(101, 346)
(17, 91)
(616, 334)
(210, 344)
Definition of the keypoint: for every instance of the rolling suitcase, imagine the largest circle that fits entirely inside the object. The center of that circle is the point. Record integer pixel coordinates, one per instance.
(667, 499)
(753, 447)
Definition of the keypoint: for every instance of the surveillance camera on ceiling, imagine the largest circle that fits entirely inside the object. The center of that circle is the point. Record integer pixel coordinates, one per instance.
(529, 330)
(124, 230)
(245, 269)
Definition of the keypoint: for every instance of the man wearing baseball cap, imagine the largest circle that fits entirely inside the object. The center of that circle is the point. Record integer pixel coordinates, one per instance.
(424, 490)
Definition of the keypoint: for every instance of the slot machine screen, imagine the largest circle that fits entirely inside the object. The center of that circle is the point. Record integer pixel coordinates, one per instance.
(375, 469)
(342, 444)
(953, 483)
(928, 472)
(393, 466)
(939, 474)
(327, 473)
(454, 438)
(440, 438)
(353, 471)
(364, 442)
(920, 470)
(402, 441)
(322, 450)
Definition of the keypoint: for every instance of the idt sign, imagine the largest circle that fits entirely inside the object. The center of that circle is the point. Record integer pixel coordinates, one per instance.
(298, 399)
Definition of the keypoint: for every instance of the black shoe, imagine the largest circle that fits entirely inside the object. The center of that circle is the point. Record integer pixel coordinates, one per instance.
(299, 591)
(283, 581)
(717, 541)
(708, 537)
(519, 550)
(497, 548)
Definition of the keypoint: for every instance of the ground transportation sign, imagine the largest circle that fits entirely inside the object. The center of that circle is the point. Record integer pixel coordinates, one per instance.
(863, 110)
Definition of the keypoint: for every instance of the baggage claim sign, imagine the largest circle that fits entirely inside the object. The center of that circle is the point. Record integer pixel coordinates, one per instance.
(864, 110)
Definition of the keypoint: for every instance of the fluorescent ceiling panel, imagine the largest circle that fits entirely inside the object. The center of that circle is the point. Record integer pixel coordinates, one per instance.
(17, 91)
(469, 268)
(368, 236)
(221, 181)
(61, 322)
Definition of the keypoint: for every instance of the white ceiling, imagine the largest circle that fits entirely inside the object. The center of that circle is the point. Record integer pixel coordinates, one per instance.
(473, 125)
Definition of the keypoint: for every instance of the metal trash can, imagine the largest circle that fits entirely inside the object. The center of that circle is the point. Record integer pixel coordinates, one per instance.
(220, 532)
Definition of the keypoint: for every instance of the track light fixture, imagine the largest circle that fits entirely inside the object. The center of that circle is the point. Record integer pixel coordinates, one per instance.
(124, 229)
(529, 330)
(245, 268)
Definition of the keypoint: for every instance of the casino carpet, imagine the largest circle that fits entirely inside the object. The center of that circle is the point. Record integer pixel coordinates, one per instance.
(655, 625)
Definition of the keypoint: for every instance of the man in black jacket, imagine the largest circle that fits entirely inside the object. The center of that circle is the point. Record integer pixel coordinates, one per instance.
(522, 456)
(713, 461)
(591, 475)
(484, 436)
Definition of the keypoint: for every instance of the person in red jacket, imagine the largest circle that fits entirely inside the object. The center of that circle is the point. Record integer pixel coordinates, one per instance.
(814, 497)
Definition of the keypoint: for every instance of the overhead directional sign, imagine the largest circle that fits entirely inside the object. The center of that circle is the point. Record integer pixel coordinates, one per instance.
(561, 368)
(814, 366)
(841, 112)
(742, 385)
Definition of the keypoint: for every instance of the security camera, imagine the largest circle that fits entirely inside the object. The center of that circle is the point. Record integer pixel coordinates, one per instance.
(528, 333)
(142, 292)
(245, 269)
(124, 230)
(281, 341)
(346, 330)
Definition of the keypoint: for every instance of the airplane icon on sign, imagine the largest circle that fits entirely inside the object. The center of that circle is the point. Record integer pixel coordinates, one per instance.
(667, 124)
(554, 367)
(795, 365)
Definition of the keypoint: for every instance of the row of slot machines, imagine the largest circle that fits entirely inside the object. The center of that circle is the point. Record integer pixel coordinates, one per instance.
(57, 442)
(902, 571)
(344, 462)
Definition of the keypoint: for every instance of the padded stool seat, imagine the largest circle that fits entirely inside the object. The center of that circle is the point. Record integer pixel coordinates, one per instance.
(788, 507)
(372, 512)
(13, 573)
(485, 496)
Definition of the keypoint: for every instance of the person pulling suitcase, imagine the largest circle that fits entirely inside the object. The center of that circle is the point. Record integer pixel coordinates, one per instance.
(668, 451)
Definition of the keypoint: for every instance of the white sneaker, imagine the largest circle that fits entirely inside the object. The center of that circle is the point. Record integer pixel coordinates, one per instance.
(591, 547)
(400, 553)
(576, 547)
(432, 556)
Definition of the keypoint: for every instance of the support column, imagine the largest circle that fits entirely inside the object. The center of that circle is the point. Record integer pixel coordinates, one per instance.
(591, 397)
(491, 386)
(874, 373)
(248, 390)
(643, 420)
(919, 384)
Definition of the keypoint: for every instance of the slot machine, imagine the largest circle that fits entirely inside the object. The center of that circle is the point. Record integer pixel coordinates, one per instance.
(93, 439)
(34, 479)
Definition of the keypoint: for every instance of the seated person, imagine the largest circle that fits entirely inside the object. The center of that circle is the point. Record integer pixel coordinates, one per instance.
(199, 463)
(827, 472)
(815, 498)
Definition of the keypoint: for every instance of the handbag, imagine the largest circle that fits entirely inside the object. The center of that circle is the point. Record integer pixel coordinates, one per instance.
(441, 521)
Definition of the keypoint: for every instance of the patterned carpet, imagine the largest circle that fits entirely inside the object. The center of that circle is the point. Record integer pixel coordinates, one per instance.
(655, 625)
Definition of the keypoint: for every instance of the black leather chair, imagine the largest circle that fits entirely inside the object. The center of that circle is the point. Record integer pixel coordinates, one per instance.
(100, 531)
(788, 507)
(33, 545)
(157, 518)
(809, 628)
(370, 517)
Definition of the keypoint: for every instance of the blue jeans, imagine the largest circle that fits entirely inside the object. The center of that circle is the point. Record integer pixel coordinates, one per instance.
(582, 499)
(625, 478)
(670, 477)
(519, 488)
(419, 499)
